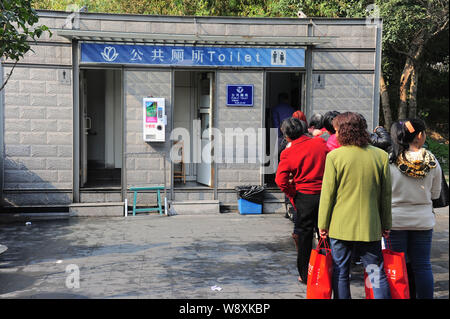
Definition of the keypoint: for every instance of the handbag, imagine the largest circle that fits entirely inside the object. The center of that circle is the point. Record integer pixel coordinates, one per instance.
(442, 201)
(320, 271)
(396, 275)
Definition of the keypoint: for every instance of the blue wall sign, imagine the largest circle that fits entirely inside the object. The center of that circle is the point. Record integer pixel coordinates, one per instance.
(240, 95)
(191, 56)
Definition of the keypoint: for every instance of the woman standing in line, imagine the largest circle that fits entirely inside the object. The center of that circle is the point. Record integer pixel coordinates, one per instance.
(416, 181)
(332, 142)
(355, 204)
(299, 176)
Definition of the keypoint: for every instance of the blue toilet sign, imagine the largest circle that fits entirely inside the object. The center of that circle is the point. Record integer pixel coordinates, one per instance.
(197, 56)
(240, 95)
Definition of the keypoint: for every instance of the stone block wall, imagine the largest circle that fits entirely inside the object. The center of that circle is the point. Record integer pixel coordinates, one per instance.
(240, 170)
(38, 135)
(346, 92)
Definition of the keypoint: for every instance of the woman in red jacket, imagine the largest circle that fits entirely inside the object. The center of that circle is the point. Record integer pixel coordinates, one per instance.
(304, 158)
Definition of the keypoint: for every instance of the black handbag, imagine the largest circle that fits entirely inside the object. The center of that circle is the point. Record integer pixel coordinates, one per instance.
(442, 201)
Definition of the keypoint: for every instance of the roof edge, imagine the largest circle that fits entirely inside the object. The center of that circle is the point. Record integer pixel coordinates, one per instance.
(232, 19)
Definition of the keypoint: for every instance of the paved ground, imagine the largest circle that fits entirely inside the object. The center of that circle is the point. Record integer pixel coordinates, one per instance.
(248, 257)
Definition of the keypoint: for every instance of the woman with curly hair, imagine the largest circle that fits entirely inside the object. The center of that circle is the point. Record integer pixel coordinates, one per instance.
(355, 204)
(416, 181)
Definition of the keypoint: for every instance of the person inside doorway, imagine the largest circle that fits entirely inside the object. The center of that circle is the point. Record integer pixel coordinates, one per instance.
(281, 112)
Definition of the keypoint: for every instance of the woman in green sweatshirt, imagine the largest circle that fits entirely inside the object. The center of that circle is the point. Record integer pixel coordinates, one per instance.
(355, 204)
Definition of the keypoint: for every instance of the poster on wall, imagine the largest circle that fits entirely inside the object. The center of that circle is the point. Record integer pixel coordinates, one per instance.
(150, 111)
(154, 119)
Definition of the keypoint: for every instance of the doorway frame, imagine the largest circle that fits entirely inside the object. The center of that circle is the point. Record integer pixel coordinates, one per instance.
(214, 123)
(304, 92)
(77, 68)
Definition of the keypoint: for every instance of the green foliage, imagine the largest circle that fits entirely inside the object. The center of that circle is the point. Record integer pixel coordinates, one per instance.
(17, 20)
(440, 150)
(402, 20)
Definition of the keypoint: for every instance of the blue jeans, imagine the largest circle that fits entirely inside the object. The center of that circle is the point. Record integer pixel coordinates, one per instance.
(372, 259)
(416, 244)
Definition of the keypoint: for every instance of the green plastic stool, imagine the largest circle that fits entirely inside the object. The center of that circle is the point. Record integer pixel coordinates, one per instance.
(138, 189)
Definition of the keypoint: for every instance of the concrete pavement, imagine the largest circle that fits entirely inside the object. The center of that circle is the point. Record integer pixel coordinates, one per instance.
(176, 257)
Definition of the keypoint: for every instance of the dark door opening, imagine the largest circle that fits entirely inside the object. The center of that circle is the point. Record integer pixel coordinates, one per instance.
(290, 84)
(101, 128)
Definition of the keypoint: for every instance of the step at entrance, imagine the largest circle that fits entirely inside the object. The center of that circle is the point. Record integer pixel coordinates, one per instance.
(111, 209)
(196, 207)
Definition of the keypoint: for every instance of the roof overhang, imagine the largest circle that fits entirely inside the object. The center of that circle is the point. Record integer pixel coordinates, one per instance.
(189, 39)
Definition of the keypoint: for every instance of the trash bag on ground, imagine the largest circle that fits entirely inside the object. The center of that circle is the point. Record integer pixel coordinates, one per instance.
(252, 193)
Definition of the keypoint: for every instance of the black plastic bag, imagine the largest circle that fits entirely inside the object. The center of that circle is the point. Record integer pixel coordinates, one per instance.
(442, 201)
(252, 193)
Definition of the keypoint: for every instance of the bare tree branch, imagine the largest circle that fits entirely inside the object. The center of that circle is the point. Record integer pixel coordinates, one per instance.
(442, 28)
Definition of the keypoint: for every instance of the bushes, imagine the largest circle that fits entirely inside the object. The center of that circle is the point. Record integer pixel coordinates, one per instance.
(440, 150)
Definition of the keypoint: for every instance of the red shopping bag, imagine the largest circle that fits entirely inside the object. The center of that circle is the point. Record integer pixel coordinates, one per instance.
(396, 274)
(320, 270)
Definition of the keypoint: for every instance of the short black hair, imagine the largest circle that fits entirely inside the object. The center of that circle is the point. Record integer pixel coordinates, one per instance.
(293, 128)
(283, 97)
(328, 121)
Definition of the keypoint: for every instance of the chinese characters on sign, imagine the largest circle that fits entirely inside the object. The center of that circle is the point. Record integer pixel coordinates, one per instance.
(240, 95)
(191, 56)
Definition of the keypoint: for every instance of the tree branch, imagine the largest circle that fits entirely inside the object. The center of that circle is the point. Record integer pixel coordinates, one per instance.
(442, 28)
(9, 75)
(409, 55)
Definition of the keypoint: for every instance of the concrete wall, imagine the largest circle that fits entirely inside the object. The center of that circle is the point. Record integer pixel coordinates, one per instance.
(347, 65)
(37, 137)
(39, 124)
(345, 92)
(230, 175)
(144, 161)
(243, 170)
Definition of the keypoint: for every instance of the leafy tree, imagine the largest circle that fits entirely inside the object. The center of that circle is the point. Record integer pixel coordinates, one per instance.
(16, 29)
(409, 26)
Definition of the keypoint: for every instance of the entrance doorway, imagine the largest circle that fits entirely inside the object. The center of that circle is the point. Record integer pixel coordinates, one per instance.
(193, 105)
(101, 128)
(291, 85)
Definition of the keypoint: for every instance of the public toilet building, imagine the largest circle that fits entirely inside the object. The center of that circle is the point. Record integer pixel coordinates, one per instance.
(114, 101)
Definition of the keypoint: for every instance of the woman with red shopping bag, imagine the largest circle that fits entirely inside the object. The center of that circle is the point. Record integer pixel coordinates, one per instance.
(416, 181)
(355, 204)
(320, 270)
(396, 273)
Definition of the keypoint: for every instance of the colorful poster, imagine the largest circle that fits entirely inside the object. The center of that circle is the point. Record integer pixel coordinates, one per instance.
(150, 111)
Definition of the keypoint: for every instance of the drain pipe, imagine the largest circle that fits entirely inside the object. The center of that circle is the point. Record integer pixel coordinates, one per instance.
(165, 192)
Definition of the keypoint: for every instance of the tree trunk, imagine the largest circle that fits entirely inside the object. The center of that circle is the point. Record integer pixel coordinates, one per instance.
(413, 92)
(403, 90)
(385, 107)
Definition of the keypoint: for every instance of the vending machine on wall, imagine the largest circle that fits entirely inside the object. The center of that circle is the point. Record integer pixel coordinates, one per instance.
(155, 119)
